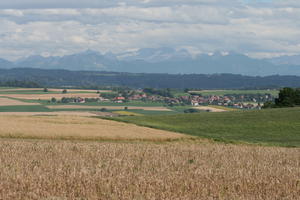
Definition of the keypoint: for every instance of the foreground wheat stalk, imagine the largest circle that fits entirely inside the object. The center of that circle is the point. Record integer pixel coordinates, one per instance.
(91, 170)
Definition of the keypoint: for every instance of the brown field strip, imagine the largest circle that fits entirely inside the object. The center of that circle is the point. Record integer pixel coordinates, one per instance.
(77, 127)
(13, 102)
(78, 90)
(51, 90)
(127, 171)
(47, 96)
(60, 113)
(211, 109)
(109, 107)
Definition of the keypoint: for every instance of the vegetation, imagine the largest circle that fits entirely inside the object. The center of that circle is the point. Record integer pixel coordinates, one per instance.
(288, 97)
(22, 84)
(98, 80)
(24, 108)
(94, 170)
(161, 92)
(271, 127)
(76, 126)
(192, 110)
(108, 95)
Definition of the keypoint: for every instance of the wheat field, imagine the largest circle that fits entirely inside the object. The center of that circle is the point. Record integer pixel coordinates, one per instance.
(61, 170)
(78, 127)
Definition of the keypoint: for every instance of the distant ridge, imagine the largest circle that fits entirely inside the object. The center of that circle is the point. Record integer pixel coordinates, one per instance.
(162, 60)
(59, 78)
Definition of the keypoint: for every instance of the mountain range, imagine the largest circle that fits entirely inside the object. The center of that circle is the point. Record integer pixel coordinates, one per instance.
(162, 60)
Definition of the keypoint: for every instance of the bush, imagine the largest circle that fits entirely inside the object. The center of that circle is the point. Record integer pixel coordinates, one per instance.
(191, 110)
(53, 100)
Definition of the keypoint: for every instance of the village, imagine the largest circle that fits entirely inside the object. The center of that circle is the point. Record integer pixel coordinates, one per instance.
(239, 101)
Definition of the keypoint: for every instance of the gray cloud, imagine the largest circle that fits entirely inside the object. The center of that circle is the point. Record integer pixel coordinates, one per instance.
(257, 28)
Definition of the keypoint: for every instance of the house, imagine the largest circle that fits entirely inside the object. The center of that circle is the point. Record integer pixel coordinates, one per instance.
(79, 100)
(119, 99)
(194, 103)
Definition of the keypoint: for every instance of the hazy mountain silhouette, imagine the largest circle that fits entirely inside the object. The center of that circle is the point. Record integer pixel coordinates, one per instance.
(161, 60)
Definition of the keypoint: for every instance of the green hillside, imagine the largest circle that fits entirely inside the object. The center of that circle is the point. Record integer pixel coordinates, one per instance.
(270, 127)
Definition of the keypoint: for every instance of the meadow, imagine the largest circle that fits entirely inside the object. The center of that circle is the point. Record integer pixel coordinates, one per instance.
(269, 127)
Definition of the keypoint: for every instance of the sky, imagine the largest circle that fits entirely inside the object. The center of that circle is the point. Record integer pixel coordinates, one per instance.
(258, 28)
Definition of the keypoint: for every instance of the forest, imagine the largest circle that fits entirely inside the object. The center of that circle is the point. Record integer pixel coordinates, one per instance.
(92, 79)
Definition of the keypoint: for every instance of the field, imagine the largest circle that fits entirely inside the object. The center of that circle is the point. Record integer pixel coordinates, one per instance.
(108, 107)
(211, 108)
(270, 127)
(73, 151)
(12, 102)
(92, 170)
(77, 127)
(48, 96)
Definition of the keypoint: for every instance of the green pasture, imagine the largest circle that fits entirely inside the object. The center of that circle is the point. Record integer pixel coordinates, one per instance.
(279, 127)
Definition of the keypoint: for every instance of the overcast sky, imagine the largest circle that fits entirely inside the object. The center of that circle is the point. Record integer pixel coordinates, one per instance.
(259, 28)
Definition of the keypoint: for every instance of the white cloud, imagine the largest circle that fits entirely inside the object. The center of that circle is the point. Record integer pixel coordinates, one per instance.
(59, 27)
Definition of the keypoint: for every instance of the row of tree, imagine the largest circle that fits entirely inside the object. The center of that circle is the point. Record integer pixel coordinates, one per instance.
(16, 83)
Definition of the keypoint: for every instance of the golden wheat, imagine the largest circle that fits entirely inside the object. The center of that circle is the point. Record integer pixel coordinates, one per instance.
(77, 127)
(91, 170)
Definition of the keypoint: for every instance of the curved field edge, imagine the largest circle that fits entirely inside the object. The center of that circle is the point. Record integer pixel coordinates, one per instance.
(68, 127)
(274, 127)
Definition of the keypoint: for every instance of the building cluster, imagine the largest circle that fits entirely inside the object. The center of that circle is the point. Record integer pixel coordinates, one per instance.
(242, 101)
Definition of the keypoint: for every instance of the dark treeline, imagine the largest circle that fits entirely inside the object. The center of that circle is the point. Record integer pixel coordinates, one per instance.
(98, 80)
(162, 92)
(288, 97)
(16, 83)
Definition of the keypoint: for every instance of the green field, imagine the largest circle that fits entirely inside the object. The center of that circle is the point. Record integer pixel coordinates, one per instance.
(25, 108)
(269, 127)
(29, 92)
(224, 92)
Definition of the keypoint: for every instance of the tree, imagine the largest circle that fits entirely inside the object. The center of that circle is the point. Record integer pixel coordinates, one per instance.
(288, 97)
(269, 104)
(191, 110)
(103, 110)
(45, 89)
(64, 91)
(53, 100)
